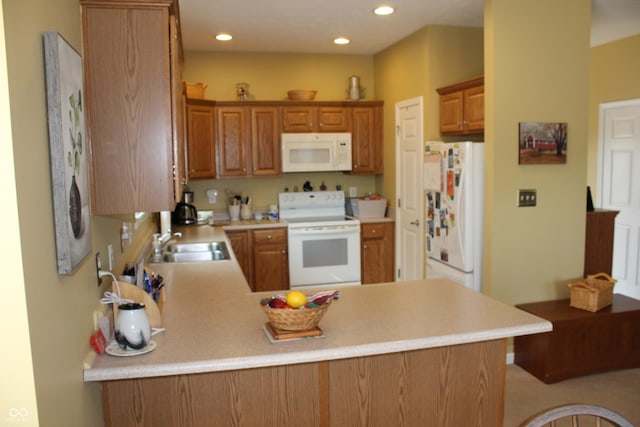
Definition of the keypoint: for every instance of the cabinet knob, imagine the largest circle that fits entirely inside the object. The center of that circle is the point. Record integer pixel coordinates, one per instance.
(364, 246)
(269, 237)
(373, 231)
(284, 252)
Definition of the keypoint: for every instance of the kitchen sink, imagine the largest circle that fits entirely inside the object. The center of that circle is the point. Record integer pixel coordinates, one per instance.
(193, 252)
(175, 247)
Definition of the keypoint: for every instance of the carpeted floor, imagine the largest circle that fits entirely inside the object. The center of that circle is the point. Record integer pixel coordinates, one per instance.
(526, 395)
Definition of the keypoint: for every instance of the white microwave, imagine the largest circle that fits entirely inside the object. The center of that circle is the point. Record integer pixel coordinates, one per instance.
(316, 152)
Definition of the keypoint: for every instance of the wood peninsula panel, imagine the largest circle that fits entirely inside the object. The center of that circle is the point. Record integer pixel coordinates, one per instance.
(278, 396)
(447, 386)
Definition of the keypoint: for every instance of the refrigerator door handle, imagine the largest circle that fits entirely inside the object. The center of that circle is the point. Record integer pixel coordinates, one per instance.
(416, 223)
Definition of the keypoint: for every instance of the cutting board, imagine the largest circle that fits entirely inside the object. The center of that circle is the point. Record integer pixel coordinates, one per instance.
(281, 335)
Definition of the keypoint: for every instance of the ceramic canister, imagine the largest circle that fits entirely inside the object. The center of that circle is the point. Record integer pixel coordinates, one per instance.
(132, 330)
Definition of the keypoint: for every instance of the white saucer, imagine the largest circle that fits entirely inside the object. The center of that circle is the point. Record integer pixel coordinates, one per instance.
(115, 350)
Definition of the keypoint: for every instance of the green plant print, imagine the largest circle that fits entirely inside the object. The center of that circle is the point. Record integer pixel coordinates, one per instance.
(75, 132)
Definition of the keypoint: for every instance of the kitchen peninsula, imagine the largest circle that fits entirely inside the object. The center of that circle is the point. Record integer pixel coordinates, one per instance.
(427, 352)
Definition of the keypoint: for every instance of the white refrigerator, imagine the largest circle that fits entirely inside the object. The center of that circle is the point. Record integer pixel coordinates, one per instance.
(453, 190)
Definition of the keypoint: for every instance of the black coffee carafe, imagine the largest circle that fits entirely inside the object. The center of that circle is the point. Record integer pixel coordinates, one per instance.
(185, 213)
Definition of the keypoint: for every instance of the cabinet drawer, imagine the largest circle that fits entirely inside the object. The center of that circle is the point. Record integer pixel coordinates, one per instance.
(271, 235)
(373, 231)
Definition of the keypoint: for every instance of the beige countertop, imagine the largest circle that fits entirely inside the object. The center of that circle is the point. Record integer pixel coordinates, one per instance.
(214, 323)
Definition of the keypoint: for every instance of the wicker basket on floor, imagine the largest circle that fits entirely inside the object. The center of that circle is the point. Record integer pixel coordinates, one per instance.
(593, 293)
(294, 319)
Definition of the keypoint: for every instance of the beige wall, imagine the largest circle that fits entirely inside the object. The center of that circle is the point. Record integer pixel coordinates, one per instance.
(538, 75)
(416, 66)
(18, 390)
(615, 68)
(271, 75)
(60, 307)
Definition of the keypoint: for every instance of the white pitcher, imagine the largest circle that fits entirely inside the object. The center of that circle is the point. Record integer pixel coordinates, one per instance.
(132, 330)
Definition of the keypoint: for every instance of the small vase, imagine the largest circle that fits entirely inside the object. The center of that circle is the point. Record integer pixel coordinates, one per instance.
(75, 208)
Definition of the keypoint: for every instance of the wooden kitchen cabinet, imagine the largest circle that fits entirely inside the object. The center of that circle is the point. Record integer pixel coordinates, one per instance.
(248, 133)
(265, 141)
(248, 141)
(134, 107)
(270, 259)
(201, 137)
(263, 257)
(233, 136)
(316, 118)
(240, 245)
(366, 139)
(377, 252)
(462, 108)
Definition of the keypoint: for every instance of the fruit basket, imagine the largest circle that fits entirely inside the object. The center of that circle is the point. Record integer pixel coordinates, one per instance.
(305, 317)
(593, 293)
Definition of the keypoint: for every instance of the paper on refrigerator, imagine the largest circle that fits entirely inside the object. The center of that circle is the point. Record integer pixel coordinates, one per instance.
(432, 173)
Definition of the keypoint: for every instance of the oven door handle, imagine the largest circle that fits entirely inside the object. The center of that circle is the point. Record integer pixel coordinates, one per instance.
(324, 231)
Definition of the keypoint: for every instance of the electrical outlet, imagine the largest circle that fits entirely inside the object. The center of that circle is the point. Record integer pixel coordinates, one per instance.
(527, 198)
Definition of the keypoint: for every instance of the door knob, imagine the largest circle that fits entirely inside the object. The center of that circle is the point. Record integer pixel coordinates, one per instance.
(416, 223)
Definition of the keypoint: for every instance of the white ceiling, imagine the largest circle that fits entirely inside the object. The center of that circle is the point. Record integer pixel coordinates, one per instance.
(310, 26)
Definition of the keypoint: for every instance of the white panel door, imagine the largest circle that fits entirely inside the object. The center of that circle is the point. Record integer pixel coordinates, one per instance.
(620, 189)
(409, 211)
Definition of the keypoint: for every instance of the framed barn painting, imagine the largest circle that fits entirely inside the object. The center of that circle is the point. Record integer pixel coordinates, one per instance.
(542, 143)
(67, 152)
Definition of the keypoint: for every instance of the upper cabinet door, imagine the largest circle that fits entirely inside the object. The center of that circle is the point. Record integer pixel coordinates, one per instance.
(233, 129)
(265, 141)
(451, 113)
(128, 98)
(366, 139)
(201, 139)
(299, 119)
(334, 119)
(474, 109)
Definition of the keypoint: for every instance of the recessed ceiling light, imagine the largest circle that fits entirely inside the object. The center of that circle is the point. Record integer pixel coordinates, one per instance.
(383, 10)
(223, 37)
(341, 40)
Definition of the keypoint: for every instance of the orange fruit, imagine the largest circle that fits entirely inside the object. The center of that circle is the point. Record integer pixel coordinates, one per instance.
(296, 299)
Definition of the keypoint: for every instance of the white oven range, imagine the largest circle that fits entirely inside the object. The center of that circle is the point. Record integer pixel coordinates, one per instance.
(324, 244)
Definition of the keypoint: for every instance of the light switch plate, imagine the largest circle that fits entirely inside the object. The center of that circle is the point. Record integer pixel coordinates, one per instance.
(527, 198)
